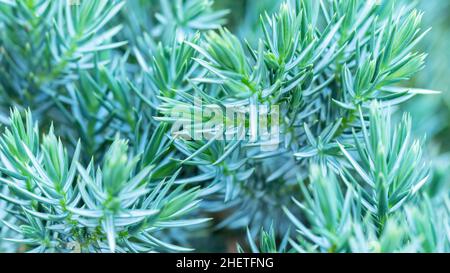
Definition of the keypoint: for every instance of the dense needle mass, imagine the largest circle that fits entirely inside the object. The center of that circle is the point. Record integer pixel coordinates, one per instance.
(92, 91)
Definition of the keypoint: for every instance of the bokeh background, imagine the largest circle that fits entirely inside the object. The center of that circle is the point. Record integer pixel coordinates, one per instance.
(431, 114)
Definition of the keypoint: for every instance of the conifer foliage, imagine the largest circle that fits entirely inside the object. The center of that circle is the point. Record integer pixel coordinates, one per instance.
(90, 160)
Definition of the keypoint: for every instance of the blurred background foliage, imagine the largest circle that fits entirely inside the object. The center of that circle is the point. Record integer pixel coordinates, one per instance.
(431, 114)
